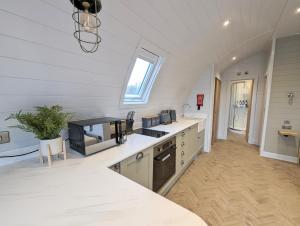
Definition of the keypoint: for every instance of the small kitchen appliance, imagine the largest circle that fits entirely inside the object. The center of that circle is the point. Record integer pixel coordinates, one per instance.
(150, 121)
(173, 115)
(165, 117)
(94, 135)
(147, 122)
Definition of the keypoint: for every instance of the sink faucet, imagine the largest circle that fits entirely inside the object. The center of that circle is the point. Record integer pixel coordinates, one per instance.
(183, 106)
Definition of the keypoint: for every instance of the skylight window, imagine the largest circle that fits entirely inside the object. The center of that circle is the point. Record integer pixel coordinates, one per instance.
(143, 73)
(138, 76)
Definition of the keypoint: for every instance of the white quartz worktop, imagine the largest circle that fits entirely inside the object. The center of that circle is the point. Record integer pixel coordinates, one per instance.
(85, 192)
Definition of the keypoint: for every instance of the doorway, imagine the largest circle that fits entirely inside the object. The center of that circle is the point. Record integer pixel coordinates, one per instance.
(240, 107)
(216, 110)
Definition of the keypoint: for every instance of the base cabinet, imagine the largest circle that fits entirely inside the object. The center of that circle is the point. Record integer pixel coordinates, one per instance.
(139, 168)
(189, 143)
(200, 140)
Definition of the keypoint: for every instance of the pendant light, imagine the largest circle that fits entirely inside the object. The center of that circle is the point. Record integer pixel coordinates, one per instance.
(87, 23)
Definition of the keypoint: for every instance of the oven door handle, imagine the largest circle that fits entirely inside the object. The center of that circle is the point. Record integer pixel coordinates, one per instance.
(166, 157)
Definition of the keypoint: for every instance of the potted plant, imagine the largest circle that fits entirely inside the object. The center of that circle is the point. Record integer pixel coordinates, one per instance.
(46, 123)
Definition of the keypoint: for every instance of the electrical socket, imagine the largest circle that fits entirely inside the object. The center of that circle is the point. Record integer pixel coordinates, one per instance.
(4, 137)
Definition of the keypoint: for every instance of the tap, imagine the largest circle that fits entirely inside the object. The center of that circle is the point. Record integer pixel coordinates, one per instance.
(183, 106)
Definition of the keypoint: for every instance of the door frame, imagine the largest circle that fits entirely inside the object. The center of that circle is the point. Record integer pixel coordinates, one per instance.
(253, 107)
(249, 111)
(216, 109)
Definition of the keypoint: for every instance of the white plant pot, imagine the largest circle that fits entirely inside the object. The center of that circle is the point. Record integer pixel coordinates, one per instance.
(55, 144)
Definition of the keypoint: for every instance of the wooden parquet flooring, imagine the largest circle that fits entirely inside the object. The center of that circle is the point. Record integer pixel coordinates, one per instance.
(233, 185)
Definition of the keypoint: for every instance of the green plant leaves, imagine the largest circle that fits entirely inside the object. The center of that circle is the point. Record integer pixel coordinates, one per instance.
(46, 123)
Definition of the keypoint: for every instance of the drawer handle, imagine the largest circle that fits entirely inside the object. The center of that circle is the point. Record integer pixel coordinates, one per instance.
(166, 157)
(182, 144)
(182, 162)
(183, 133)
(139, 156)
(182, 153)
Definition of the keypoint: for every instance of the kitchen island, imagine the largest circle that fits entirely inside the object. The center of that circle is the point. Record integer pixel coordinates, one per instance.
(84, 191)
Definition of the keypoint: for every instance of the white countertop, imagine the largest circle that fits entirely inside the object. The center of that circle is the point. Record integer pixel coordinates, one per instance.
(85, 192)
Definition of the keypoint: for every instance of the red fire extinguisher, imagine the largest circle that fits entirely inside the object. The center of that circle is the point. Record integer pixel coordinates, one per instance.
(200, 99)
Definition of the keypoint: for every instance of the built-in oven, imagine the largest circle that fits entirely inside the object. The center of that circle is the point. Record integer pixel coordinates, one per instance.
(164, 163)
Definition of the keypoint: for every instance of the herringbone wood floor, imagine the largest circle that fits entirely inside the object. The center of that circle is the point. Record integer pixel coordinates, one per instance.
(233, 185)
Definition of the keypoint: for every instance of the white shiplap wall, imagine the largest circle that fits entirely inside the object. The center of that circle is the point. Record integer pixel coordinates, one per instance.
(42, 64)
(286, 78)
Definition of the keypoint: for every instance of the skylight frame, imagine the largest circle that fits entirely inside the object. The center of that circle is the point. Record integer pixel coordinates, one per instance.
(142, 98)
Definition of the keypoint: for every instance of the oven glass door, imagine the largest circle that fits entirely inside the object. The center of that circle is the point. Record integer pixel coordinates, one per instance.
(164, 166)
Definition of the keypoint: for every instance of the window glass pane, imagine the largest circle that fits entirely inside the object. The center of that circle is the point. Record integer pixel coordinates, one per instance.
(137, 77)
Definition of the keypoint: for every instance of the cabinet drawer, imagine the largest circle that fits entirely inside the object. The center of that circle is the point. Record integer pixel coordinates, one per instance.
(183, 134)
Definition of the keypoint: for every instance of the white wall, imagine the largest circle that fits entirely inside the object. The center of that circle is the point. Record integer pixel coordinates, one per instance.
(204, 85)
(41, 63)
(255, 65)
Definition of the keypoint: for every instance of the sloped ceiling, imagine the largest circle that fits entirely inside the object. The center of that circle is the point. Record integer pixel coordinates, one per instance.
(192, 30)
(41, 63)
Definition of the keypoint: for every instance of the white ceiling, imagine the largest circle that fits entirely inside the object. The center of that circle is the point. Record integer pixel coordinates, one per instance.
(191, 31)
(41, 62)
(194, 27)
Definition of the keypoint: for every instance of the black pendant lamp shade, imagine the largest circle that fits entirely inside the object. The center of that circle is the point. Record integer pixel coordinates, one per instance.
(87, 23)
(95, 6)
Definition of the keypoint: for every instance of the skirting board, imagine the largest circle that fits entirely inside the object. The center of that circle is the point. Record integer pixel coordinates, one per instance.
(279, 156)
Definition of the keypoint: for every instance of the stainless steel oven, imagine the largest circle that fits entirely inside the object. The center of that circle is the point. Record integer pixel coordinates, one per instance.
(164, 163)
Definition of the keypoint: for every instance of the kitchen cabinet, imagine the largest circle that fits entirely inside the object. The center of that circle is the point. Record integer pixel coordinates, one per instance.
(139, 168)
(182, 150)
(200, 140)
(189, 143)
(179, 152)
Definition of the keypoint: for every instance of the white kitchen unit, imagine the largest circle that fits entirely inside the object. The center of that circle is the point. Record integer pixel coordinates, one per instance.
(189, 143)
(187, 147)
(83, 191)
(139, 168)
(200, 139)
(203, 126)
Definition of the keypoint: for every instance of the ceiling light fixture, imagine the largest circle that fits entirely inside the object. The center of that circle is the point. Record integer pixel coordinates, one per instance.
(87, 23)
(226, 23)
(298, 10)
(234, 58)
